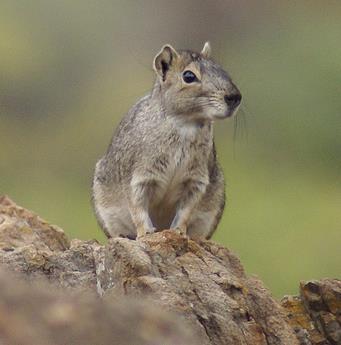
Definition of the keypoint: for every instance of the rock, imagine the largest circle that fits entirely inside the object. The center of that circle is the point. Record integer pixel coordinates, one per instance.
(19, 227)
(30, 245)
(315, 315)
(202, 283)
(38, 314)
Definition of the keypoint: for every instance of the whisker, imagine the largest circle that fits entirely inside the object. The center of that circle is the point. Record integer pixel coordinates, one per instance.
(235, 131)
(240, 129)
(245, 109)
(244, 128)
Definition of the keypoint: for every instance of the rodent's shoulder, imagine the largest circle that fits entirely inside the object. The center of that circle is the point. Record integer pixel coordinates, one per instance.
(137, 110)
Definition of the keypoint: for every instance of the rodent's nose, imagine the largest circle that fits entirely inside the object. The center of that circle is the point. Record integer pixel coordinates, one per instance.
(233, 100)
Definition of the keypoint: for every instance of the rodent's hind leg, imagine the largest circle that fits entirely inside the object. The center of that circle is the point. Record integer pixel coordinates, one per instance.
(115, 220)
(203, 223)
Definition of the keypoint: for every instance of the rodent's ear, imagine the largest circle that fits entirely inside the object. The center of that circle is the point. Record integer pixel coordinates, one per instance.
(206, 51)
(164, 60)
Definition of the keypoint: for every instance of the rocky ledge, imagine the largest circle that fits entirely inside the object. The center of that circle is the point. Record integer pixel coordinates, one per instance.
(163, 289)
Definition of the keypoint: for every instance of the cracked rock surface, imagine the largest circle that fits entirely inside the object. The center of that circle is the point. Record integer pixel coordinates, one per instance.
(202, 283)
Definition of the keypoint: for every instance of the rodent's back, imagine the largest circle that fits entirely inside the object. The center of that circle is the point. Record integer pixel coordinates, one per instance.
(128, 141)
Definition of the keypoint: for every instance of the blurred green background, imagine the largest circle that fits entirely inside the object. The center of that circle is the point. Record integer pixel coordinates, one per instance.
(69, 70)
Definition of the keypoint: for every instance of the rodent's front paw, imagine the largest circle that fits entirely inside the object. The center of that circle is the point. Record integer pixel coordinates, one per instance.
(145, 231)
(181, 229)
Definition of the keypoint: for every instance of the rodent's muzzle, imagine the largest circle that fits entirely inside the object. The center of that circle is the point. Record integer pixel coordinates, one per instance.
(233, 100)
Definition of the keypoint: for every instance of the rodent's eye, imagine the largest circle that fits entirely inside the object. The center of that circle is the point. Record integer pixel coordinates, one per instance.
(189, 77)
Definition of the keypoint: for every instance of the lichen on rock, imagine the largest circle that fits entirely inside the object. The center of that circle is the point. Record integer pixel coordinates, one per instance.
(315, 315)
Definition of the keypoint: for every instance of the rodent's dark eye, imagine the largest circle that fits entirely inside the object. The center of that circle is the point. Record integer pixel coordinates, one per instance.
(189, 77)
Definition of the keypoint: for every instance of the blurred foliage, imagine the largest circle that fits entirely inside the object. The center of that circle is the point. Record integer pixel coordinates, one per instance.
(69, 71)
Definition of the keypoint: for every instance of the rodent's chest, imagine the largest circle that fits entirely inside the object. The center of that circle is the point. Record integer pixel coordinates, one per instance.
(184, 155)
(176, 168)
(180, 165)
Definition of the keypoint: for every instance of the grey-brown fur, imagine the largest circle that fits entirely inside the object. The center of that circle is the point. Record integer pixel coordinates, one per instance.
(160, 170)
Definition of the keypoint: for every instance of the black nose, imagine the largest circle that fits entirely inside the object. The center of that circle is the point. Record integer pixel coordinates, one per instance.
(233, 100)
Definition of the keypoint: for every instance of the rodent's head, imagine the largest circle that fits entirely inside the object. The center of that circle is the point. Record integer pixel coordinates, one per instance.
(192, 84)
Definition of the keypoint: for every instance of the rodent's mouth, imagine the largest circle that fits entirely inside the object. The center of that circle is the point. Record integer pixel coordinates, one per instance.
(232, 112)
(228, 113)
